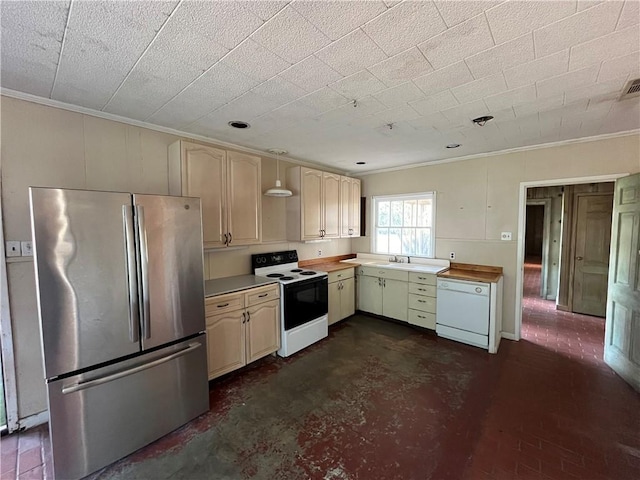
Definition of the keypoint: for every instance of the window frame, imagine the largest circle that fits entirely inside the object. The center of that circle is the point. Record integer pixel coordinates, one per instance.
(403, 196)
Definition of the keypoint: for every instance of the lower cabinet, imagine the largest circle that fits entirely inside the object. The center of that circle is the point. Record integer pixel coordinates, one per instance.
(422, 300)
(383, 292)
(242, 327)
(342, 295)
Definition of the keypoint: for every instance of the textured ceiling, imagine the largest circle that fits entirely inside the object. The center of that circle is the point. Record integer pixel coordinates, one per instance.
(546, 70)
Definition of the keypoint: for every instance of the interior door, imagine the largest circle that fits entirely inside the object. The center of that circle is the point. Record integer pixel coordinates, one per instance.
(622, 328)
(591, 261)
(171, 268)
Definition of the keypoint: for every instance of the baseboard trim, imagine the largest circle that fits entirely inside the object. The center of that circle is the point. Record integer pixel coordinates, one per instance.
(509, 336)
(33, 420)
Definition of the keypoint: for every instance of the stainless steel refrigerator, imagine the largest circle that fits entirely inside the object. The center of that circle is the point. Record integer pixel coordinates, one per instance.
(119, 279)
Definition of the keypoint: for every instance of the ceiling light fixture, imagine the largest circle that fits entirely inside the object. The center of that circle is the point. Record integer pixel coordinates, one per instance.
(482, 121)
(238, 124)
(453, 145)
(278, 191)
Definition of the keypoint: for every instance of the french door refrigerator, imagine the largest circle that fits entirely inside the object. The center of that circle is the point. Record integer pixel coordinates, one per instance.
(119, 279)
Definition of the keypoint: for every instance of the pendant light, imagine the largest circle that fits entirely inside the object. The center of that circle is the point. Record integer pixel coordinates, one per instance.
(278, 191)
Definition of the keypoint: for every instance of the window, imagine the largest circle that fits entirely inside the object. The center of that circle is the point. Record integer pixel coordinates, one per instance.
(404, 224)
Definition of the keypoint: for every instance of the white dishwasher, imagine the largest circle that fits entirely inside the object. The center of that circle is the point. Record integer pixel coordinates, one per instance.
(462, 311)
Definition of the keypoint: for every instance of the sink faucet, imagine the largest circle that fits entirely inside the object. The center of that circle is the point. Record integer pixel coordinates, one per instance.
(393, 258)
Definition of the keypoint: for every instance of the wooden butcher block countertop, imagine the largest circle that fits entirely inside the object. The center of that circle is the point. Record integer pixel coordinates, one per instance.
(328, 264)
(472, 273)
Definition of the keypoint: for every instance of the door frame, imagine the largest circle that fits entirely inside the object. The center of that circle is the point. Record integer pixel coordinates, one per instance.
(546, 228)
(522, 210)
(6, 338)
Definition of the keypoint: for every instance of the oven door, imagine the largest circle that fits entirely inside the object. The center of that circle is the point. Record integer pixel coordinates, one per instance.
(305, 301)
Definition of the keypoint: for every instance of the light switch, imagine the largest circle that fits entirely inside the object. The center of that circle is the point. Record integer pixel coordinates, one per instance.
(12, 249)
(505, 236)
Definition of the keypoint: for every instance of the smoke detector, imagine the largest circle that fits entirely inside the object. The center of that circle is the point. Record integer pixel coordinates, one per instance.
(631, 89)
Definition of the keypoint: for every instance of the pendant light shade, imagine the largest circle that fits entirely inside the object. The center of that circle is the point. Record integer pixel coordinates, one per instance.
(277, 191)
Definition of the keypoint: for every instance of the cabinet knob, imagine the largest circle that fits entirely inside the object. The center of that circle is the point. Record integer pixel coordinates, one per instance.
(478, 290)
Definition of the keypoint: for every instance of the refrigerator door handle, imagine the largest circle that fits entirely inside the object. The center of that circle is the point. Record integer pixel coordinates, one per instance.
(114, 376)
(134, 308)
(144, 271)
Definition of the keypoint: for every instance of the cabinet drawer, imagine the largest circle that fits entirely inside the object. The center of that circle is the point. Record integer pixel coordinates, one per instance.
(422, 319)
(425, 278)
(384, 273)
(340, 275)
(262, 294)
(422, 289)
(223, 303)
(422, 303)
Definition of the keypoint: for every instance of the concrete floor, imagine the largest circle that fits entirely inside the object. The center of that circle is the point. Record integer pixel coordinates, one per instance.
(378, 400)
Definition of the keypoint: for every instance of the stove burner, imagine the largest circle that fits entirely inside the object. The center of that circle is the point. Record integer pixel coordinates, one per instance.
(296, 270)
(307, 273)
(286, 278)
(275, 275)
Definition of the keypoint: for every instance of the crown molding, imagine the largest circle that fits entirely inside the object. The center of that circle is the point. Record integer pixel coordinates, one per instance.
(150, 126)
(527, 148)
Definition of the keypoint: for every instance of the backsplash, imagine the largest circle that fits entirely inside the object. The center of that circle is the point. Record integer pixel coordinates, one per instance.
(229, 262)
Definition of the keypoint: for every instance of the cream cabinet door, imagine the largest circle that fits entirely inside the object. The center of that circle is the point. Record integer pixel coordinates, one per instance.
(345, 206)
(331, 205)
(204, 176)
(263, 330)
(354, 222)
(334, 303)
(347, 298)
(244, 194)
(370, 294)
(225, 342)
(311, 203)
(394, 299)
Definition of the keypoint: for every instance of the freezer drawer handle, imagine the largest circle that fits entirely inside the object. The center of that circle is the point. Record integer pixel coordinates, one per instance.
(127, 217)
(109, 378)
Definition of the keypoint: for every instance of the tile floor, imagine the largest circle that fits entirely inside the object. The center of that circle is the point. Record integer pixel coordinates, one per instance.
(384, 401)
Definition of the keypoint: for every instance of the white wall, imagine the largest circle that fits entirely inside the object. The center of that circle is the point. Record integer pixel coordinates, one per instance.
(45, 146)
(478, 199)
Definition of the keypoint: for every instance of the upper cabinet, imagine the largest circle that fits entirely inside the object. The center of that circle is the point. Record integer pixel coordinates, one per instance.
(349, 207)
(324, 205)
(229, 186)
(313, 212)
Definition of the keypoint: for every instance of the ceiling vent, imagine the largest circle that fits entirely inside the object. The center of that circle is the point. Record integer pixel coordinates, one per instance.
(631, 89)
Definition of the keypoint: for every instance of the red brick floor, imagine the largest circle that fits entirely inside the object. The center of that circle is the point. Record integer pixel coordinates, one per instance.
(546, 407)
(558, 411)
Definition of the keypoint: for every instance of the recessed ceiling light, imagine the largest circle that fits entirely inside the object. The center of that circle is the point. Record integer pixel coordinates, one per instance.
(481, 121)
(238, 124)
(361, 163)
(453, 145)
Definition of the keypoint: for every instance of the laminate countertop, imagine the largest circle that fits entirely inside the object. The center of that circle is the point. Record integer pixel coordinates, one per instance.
(224, 285)
(330, 267)
(472, 273)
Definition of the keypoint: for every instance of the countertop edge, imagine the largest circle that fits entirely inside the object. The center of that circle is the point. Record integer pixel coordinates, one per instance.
(243, 282)
(472, 276)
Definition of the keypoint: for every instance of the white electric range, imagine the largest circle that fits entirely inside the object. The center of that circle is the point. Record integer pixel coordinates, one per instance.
(304, 299)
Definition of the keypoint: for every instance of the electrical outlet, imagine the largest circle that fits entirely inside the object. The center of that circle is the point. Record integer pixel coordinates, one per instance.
(452, 255)
(505, 236)
(25, 249)
(319, 253)
(12, 249)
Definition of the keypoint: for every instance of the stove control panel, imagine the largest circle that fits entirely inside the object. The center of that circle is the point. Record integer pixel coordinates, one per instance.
(261, 260)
